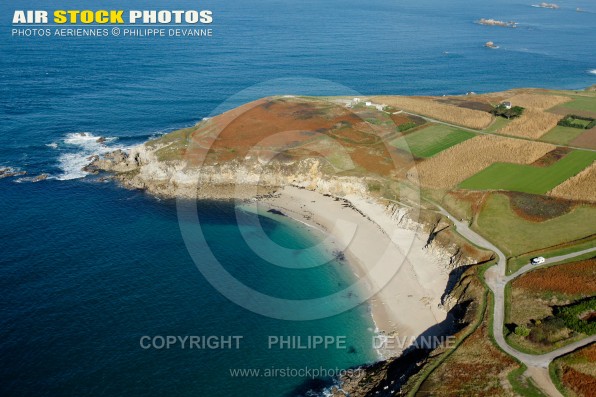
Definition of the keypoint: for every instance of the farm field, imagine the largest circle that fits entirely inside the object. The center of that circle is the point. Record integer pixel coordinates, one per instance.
(576, 372)
(562, 135)
(516, 235)
(431, 108)
(527, 178)
(532, 124)
(587, 139)
(454, 165)
(582, 103)
(580, 187)
(431, 140)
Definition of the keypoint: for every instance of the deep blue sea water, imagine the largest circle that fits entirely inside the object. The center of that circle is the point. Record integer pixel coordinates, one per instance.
(87, 268)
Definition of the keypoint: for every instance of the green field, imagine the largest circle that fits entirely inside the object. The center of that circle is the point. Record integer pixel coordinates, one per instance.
(515, 235)
(527, 178)
(562, 135)
(500, 122)
(431, 140)
(582, 103)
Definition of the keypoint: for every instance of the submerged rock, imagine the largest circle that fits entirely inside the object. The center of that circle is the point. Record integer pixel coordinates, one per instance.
(8, 172)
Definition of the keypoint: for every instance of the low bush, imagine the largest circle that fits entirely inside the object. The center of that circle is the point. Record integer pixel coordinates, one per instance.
(510, 113)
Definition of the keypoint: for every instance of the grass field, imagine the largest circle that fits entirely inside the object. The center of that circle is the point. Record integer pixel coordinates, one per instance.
(431, 140)
(582, 103)
(527, 178)
(499, 123)
(562, 135)
(516, 236)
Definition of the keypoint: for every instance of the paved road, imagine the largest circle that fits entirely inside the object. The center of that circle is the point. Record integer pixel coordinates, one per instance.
(548, 261)
(496, 280)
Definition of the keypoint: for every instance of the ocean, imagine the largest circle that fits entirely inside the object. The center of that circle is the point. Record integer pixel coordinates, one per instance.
(87, 268)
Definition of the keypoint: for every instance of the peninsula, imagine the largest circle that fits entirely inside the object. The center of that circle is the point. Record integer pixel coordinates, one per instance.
(476, 186)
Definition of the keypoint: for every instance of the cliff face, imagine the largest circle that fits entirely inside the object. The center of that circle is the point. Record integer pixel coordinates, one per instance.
(141, 169)
(398, 376)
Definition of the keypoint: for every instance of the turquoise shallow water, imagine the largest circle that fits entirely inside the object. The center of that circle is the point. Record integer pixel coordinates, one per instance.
(86, 268)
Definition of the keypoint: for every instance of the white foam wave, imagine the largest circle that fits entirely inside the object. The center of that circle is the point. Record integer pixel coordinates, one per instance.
(88, 145)
(53, 145)
(593, 71)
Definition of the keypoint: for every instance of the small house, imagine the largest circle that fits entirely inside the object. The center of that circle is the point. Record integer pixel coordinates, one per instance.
(507, 105)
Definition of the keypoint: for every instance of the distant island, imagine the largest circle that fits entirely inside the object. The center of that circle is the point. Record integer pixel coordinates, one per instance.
(546, 5)
(494, 22)
(482, 185)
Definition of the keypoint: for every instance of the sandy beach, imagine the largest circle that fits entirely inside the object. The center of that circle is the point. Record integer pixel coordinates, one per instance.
(405, 280)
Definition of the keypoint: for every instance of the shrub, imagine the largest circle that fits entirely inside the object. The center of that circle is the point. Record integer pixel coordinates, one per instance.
(511, 113)
(575, 315)
(570, 121)
(522, 330)
(406, 126)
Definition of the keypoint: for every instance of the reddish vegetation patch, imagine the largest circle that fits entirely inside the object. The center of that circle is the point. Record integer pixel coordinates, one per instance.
(577, 278)
(586, 139)
(589, 353)
(475, 198)
(580, 383)
(290, 124)
(400, 118)
(537, 208)
(551, 157)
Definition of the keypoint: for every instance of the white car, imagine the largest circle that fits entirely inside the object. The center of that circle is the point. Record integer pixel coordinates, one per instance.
(538, 260)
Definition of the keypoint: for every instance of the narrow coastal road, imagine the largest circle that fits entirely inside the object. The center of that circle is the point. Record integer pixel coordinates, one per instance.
(496, 280)
(554, 259)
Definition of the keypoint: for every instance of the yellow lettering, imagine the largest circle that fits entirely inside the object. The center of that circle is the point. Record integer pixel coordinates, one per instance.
(60, 16)
(116, 16)
(73, 15)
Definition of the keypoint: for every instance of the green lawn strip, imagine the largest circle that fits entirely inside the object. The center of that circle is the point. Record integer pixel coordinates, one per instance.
(562, 135)
(527, 178)
(581, 103)
(431, 140)
(516, 236)
(516, 263)
(525, 388)
(497, 124)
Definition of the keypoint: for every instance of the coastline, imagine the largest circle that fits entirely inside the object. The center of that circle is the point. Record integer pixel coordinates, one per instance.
(406, 305)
